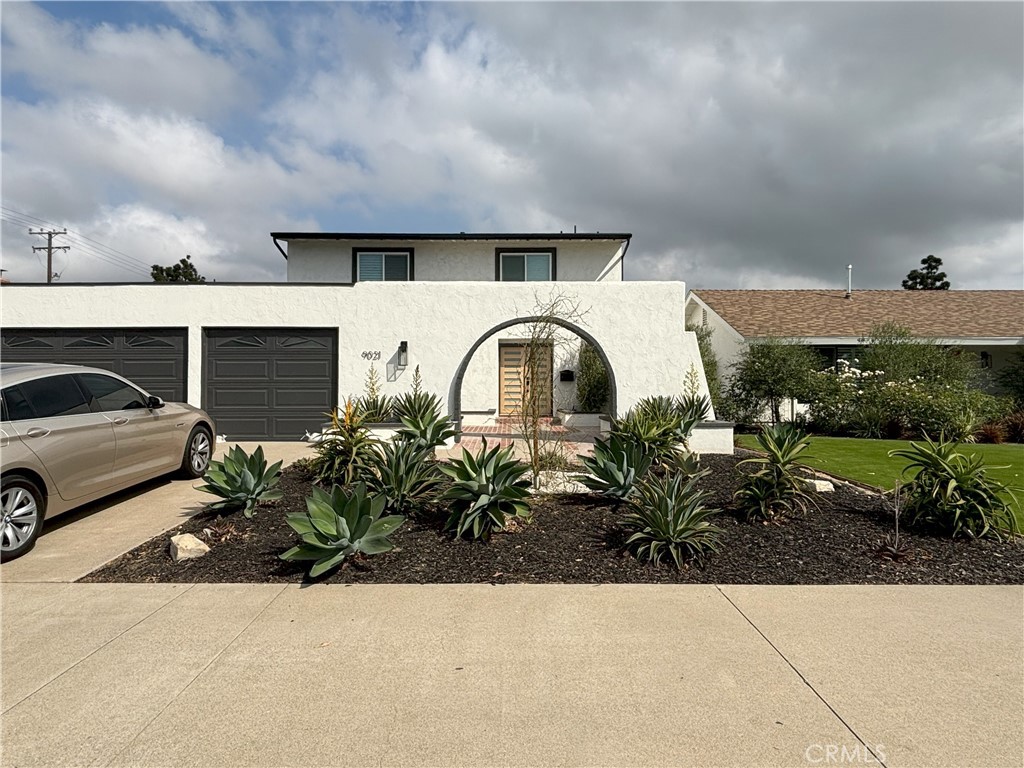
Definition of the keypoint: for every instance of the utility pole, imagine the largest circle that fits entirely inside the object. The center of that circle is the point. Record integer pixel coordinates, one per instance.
(49, 248)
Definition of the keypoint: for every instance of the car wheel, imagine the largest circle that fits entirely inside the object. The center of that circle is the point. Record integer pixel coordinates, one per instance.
(198, 453)
(22, 506)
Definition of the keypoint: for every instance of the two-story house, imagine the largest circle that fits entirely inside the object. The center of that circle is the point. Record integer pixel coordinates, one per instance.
(268, 360)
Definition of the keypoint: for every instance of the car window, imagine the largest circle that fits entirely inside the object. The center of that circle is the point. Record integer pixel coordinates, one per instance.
(15, 406)
(53, 396)
(111, 394)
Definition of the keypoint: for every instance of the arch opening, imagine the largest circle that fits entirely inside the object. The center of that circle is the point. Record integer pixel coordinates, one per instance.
(455, 388)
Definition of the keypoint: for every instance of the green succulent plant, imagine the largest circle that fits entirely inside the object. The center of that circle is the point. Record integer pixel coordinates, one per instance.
(429, 431)
(417, 405)
(339, 524)
(346, 449)
(668, 519)
(952, 493)
(775, 489)
(616, 466)
(242, 481)
(405, 474)
(376, 409)
(487, 489)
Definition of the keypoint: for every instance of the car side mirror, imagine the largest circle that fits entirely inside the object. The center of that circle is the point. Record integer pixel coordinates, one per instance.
(154, 402)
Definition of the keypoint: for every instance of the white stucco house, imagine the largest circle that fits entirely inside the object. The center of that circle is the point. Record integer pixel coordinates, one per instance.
(989, 324)
(268, 360)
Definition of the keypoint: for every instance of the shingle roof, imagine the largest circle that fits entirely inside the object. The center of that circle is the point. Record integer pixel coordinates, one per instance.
(821, 313)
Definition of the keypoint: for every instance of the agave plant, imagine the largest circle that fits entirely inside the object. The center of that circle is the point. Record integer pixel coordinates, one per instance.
(668, 517)
(339, 524)
(953, 493)
(427, 431)
(345, 451)
(417, 405)
(775, 489)
(691, 409)
(488, 488)
(405, 474)
(616, 466)
(242, 481)
(653, 424)
(376, 409)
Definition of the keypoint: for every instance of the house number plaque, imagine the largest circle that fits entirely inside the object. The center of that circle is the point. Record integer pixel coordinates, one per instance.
(371, 354)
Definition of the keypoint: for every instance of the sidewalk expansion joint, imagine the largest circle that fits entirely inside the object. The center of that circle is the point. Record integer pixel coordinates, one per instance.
(99, 648)
(197, 675)
(799, 674)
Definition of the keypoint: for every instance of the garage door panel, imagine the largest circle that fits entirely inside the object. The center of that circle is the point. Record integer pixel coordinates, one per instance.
(285, 397)
(269, 383)
(153, 358)
(244, 370)
(302, 369)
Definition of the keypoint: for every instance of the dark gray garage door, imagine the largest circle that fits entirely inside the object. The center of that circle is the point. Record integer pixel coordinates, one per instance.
(154, 358)
(269, 383)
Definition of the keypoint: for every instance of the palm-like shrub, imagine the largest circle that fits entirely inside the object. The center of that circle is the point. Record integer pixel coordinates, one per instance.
(952, 492)
(417, 405)
(487, 488)
(242, 481)
(339, 524)
(405, 474)
(668, 518)
(775, 489)
(616, 466)
(376, 409)
(345, 451)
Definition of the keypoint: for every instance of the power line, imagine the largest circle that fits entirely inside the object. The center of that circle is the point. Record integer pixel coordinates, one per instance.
(49, 248)
(109, 255)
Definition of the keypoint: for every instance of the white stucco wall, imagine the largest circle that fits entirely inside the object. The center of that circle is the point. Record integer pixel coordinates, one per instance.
(727, 344)
(639, 325)
(330, 261)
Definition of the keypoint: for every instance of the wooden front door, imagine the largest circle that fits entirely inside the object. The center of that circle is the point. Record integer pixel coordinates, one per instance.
(514, 380)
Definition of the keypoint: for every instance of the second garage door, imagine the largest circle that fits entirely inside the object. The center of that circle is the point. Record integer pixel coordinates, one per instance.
(269, 383)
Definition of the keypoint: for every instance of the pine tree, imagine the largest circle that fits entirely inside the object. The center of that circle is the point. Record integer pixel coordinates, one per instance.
(929, 278)
(182, 272)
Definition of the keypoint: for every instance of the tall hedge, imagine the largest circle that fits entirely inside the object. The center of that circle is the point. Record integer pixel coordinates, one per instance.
(592, 386)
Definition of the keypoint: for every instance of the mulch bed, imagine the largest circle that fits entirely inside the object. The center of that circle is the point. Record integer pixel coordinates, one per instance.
(576, 539)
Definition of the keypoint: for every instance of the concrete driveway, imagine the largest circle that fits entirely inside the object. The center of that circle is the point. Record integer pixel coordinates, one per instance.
(526, 675)
(80, 541)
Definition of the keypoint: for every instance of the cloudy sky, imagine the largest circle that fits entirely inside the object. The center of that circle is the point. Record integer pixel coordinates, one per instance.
(760, 145)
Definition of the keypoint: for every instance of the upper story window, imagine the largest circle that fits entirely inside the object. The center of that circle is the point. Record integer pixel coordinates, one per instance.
(524, 265)
(387, 264)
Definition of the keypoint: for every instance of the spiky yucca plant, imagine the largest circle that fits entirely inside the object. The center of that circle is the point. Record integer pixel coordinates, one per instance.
(242, 481)
(487, 489)
(339, 524)
(345, 450)
(775, 489)
(952, 492)
(668, 518)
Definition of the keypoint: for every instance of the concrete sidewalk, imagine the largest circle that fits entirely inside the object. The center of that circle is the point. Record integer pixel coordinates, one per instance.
(525, 675)
(80, 541)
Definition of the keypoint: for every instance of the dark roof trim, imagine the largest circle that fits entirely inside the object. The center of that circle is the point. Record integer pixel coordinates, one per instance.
(451, 236)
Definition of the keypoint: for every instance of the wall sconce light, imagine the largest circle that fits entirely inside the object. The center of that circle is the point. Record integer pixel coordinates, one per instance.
(403, 354)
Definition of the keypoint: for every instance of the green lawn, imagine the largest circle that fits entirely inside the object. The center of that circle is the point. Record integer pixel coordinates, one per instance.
(868, 461)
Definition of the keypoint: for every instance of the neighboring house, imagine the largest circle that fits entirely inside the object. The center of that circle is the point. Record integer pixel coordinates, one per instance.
(989, 324)
(268, 360)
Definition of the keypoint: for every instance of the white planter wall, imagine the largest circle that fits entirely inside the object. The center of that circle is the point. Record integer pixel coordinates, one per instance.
(639, 325)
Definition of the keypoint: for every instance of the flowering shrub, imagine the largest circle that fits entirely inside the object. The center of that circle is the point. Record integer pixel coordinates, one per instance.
(864, 403)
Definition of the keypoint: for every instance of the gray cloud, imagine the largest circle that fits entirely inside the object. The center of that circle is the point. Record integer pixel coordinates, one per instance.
(762, 144)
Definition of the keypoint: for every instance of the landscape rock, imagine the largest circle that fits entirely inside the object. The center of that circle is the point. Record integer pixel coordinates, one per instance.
(557, 482)
(819, 486)
(185, 546)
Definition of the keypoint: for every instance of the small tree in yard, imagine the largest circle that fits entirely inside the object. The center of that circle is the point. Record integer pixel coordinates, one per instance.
(182, 272)
(710, 360)
(1011, 378)
(771, 370)
(928, 278)
(544, 336)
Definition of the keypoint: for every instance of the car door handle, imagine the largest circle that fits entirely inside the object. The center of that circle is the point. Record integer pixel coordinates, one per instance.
(121, 420)
(37, 432)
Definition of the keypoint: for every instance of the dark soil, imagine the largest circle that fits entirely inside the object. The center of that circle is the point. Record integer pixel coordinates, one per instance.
(576, 539)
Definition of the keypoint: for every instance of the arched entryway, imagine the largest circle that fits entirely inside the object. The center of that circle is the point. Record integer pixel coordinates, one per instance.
(455, 389)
